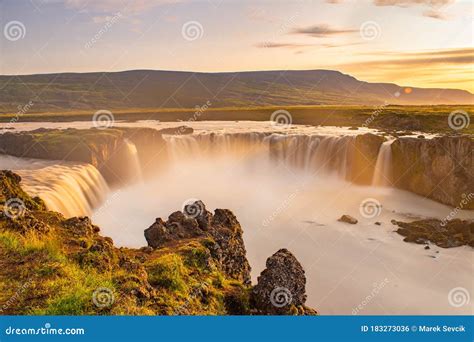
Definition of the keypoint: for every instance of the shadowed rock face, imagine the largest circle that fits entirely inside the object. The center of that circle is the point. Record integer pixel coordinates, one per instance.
(281, 287)
(364, 157)
(226, 243)
(446, 234)
(440, 168)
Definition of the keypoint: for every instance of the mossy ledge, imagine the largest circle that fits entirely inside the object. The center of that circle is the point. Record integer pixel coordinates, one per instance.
(106, 149)
(50, 265)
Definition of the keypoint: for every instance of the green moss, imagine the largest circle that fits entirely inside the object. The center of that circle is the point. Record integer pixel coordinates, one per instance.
(168, 272)
(9, 241)
(72, 292)
(198, 257)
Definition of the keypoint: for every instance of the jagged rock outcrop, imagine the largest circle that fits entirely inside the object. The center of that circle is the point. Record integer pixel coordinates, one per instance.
(227, 246)
(440, 168)
(281, 287)
(446, 234)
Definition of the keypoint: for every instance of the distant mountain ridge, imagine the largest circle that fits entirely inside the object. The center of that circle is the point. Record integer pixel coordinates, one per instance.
(178, 89)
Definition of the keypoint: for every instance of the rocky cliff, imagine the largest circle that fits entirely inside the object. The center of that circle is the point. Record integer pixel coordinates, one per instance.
(441, 168)
(108, 150)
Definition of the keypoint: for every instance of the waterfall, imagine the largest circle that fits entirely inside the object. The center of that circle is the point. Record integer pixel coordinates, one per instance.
(383, 167)
(330, 155)
(135, 169)
(71, 189)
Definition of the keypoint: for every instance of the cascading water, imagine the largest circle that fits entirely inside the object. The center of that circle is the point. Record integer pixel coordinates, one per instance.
(383, 167)
(135, 169)
(71, 189)
(327, 154)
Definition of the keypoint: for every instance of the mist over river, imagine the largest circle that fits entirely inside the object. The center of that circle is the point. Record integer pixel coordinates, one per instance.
(286, 194)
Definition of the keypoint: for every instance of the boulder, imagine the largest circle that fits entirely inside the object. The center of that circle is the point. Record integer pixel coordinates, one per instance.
(348, 219)
(281, 287)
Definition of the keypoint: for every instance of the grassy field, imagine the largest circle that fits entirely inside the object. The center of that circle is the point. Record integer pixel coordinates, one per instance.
(392, 117)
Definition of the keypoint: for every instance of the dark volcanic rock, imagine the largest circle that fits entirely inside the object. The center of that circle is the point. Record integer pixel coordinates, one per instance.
(179, 225)
(444, 234)
(81, 226)
(348, 219)
(281, 287)
(226, 245)
(227, 233)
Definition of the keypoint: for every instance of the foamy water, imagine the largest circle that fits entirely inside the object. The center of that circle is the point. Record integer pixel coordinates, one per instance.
(73, 189)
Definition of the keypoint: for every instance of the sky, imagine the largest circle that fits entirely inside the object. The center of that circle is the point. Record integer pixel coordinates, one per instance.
(424, 43)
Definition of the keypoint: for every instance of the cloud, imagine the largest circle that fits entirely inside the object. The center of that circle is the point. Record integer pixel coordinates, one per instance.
(111, 6)
(322, 30)
(273, 45)
(424, 58)
(441, 68)
(406, 3)
(434, 12)
(435, 15)
(403, 3)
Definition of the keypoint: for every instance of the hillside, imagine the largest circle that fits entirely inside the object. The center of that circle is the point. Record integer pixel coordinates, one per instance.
(172, 89)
